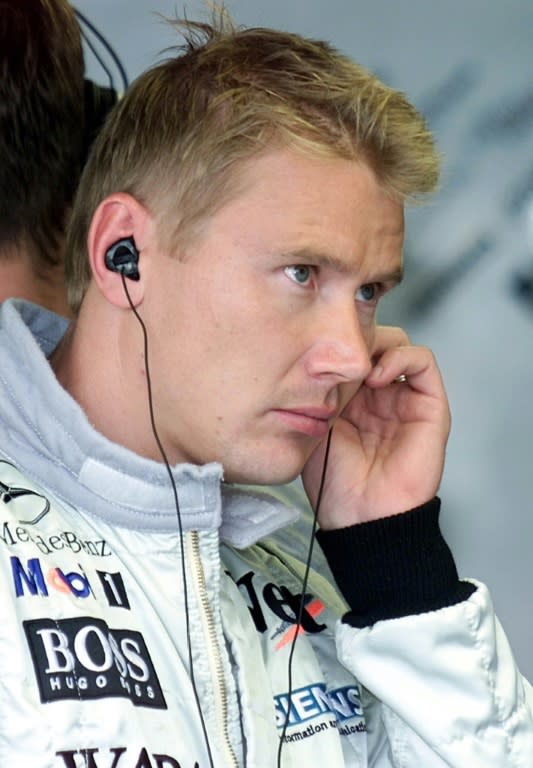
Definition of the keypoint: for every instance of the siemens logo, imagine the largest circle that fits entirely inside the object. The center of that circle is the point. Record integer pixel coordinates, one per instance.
(83, 658)
(315, 700)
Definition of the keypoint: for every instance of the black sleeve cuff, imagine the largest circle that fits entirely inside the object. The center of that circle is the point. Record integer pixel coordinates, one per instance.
(392, 567)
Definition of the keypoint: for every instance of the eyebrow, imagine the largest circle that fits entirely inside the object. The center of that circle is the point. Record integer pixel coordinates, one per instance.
(322, 259)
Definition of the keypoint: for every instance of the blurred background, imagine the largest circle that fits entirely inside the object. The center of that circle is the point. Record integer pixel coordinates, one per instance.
(468, 65)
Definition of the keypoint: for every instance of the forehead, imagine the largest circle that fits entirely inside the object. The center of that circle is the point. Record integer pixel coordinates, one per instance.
(288, 201)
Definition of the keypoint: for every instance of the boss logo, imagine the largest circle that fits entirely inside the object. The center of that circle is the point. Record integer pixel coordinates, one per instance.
(84, 659)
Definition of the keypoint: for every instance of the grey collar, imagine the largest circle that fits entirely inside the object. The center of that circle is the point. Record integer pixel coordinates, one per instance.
(46, 434)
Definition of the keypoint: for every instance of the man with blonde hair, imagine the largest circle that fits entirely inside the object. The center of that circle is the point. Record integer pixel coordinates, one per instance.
(238, 222)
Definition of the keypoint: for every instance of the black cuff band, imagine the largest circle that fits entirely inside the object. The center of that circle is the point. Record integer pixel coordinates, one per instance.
(393, 567)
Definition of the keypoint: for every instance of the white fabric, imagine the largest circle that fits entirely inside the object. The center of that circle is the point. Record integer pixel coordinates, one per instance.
(97, 586)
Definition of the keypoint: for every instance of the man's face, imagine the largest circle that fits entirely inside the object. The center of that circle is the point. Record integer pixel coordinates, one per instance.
(261, 334)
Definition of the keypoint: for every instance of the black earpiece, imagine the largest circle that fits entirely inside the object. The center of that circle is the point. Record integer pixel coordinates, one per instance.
(123, 257)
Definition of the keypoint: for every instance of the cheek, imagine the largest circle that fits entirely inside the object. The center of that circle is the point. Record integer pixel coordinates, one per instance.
(370, 336)
(367, 322)
(347, 392)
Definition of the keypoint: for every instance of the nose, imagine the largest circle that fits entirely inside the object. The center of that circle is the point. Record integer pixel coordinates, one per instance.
(339, 351)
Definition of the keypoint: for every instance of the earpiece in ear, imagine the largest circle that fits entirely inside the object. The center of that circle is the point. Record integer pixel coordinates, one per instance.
(123, 257)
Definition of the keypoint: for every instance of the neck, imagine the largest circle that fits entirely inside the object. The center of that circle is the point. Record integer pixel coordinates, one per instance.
(19, 280)
(99, 362)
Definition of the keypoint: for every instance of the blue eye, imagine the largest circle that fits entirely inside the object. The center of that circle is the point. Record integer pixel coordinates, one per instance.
(367, 293)
(299, 273)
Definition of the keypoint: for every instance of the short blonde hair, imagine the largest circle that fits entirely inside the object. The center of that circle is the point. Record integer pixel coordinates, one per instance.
(179, 136)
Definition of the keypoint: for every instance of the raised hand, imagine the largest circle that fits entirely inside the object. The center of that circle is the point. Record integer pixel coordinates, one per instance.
(388, 444)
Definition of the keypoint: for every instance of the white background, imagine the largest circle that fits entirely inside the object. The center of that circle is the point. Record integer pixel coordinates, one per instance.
(468, 64)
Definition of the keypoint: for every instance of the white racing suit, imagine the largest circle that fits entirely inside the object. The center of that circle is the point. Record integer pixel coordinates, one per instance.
(108, 614)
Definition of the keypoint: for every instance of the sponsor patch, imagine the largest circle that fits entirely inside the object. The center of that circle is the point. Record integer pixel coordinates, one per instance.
(12, 535)
(84, 659)
(119, 757)
(312, 701)
(36, 579)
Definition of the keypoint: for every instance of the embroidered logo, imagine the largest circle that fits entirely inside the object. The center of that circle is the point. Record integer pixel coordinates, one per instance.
(84, 658)
(32, 580)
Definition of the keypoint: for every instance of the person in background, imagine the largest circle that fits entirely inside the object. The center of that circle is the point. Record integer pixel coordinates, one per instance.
(237, 223)
(42, 145)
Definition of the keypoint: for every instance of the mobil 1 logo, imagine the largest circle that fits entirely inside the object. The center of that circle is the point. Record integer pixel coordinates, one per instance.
(83, 658)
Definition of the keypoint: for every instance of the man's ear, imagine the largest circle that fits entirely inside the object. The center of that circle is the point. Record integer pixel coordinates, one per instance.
(119, 217)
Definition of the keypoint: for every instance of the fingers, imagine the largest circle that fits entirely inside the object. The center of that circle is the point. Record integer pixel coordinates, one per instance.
(386, 337)
(397, 361)
(404, 364)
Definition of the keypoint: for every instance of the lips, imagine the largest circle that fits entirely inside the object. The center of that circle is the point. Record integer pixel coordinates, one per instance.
(312, 421)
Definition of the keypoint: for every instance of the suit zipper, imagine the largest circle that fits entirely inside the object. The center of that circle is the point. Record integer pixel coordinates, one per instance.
(213, 650)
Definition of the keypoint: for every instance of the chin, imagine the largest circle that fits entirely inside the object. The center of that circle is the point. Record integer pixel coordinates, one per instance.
(273, 464)
(266, 473)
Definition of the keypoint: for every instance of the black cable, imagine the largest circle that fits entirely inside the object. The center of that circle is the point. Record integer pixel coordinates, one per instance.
(182, 549)
(99, 59)
(302, 597)
(178, 515)
(107, 45)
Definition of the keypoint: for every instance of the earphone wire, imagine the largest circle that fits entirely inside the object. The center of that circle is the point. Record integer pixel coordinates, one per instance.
(178, 515)
(301, 605)
(84, 22)
(90, 45)
(182, 548)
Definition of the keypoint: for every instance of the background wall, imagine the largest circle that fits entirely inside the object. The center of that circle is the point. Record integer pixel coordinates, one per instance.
(468, 294)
